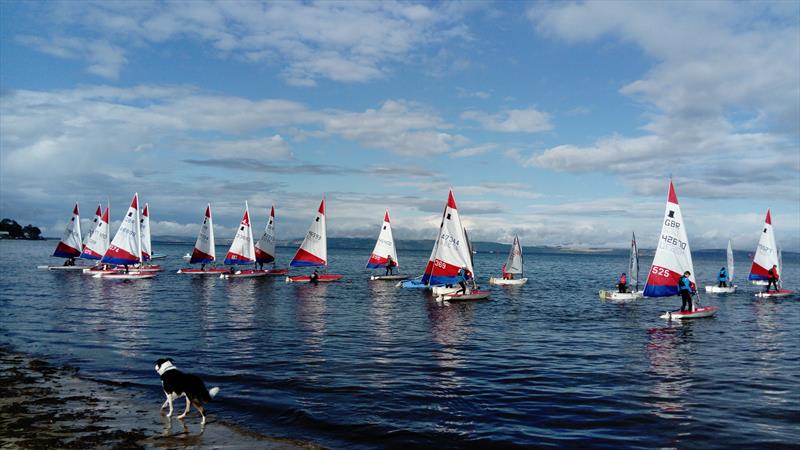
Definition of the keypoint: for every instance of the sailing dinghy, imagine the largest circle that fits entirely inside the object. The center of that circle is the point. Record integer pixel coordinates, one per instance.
(673, 257)
(126, 247)
(147, 244)
(70, 245)
(633, 278)
(242, 251)
(204, 251)
(512, 267)
(97, 244)
(384, 249)
(768, 255)
(313, 252)
(731, 288)
(265, 247)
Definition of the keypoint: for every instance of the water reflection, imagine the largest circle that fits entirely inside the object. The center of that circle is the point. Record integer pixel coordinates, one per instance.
(241, 298)
(667, 350)
(310, 313)
(381, 309)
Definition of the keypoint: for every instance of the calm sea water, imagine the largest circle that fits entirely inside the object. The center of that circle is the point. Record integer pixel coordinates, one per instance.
(360, 364)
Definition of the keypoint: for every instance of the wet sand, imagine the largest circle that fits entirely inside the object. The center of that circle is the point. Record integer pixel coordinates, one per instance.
(43, 406)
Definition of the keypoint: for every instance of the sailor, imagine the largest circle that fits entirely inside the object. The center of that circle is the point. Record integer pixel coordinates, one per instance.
(314, 278)
(390, 264)
(623, 281)
(506, 275)
(685, 288)
(202, 266)
(723, 277)
(773, 277)
(462, 274)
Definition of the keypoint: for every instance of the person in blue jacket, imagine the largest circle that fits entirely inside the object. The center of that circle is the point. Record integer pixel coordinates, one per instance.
(723, 277)
(463, 280)
(685, 288)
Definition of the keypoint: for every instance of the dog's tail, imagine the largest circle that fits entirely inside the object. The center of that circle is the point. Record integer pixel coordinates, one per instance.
(213, 392)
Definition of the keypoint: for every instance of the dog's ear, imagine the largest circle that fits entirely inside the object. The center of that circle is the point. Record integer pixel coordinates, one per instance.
(170, 360)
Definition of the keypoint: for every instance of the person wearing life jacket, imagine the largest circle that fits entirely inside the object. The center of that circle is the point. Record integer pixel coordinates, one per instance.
(462, 274)
(773, 277)
(390, 265)
(623, 281)
(314, 278)
(685, 288)
(506, 275)
(723, 277)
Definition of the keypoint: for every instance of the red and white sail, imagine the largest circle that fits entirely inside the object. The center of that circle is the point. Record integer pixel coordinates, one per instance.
(265, 247)
(70, 244)
(204, 250)
(126, 247)
(97, 241)
(147, 245)
(384, 247)
(451, 250)
(314, 249)
(766, 253)
(96, 220)
(242, 250)
(673, 255)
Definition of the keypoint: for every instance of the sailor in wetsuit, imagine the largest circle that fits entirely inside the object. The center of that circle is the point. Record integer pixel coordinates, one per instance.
(723, 277)
(623, 281)
(462, 273)
(685, 288)
(390, 265)
(773, 277)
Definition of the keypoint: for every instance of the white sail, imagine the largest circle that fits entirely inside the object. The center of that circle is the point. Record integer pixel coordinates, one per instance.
(514, 260)
(384, 247)
(242, 249)
(147, 246)
(673, 255)
(98, 215)
(126, 247)
(314, 249)
(451, 251)
(730, 261)
(633, 264)
(70, 245)
(98, 239)
(766, 252)
(265, 247)
(204, 248)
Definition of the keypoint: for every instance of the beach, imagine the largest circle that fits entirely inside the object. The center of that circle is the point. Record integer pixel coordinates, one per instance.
(46, 406)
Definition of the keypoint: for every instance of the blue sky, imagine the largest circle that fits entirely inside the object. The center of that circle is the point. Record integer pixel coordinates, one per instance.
(558, 121)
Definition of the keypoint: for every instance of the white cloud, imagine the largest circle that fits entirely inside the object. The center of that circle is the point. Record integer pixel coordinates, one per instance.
(103, 58)
(512, 121)
(472, 151)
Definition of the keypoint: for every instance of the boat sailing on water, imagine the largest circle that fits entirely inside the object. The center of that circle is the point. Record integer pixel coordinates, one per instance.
(126, 247)
(632, 278)
(512, 268)
(672, 259)
(204, 251)
(768, 258)
(242, 251)
(70, 245)
(313, 252)
(147, 244)
(384, 255)
(726, 277)
(265, 247)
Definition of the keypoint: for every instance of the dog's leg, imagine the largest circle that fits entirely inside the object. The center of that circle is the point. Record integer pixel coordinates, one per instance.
(169, 399)
(166, 402)
(199, 406)
(185, 411)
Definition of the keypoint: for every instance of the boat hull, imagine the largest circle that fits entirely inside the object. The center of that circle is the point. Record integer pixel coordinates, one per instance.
(698, 313)
(307, 279)
(213, 271)
(476, 295)
(243, 274)
(125, 276)
(775, 294)
(504, 282)
(621, 296)
(720, 290)
(62, 268)
(388, 277)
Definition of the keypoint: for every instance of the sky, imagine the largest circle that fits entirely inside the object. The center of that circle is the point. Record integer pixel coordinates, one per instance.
(559, 121)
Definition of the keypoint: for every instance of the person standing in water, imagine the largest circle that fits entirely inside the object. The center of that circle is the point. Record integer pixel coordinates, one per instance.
(723, 277)
(685, 288)
(623, 282)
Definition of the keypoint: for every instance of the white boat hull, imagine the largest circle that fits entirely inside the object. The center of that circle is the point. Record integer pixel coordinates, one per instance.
(477, 295)
(775, 294)
(444, 290)
(125, 276)
(504, 282)
(698, 313)
(621, 296)
(759, 282)
(720, 290)
(388, 277)
(243, 274)
(62, 268)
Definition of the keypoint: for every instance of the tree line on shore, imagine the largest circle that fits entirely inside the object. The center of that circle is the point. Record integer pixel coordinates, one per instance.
(10, 229)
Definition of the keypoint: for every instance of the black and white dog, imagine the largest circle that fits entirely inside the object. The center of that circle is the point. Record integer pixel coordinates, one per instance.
(177, 383)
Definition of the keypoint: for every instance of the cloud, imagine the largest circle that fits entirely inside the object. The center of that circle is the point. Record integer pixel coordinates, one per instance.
(512, 121)
(253, 165)
(472, 151)
(103, 58)
(345, 42)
